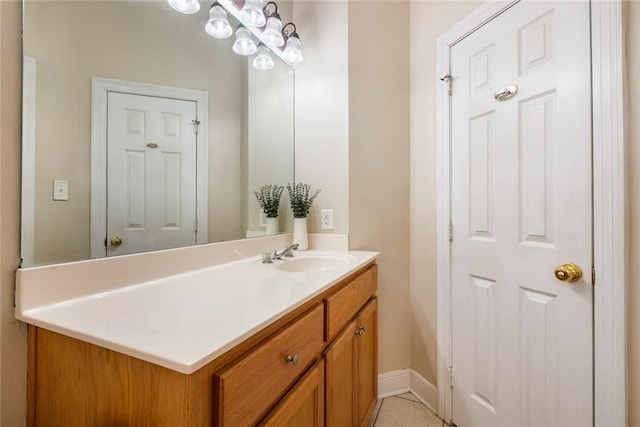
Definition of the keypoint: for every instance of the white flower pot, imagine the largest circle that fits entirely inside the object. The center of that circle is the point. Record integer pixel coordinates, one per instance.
(273, 226)
(300, 233)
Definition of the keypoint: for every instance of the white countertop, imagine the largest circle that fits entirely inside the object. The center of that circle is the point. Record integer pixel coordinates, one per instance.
(184, 321)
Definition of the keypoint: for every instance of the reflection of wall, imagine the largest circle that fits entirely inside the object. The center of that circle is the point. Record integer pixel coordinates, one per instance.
(143, 42)
(269, 136)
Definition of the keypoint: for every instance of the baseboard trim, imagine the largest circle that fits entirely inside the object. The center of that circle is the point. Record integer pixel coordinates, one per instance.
(394, 382)
(407, 380)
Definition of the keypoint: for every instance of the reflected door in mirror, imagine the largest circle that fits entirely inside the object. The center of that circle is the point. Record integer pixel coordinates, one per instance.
(151, 167)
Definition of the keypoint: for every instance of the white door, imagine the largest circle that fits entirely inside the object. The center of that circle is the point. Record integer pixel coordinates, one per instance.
(521, 206)
(151, 164)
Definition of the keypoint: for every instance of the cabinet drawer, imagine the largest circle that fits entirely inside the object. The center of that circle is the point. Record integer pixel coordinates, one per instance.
(245, 391)
(343, 305)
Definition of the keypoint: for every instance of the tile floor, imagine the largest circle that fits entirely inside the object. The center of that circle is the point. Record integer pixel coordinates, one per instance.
(404, 410)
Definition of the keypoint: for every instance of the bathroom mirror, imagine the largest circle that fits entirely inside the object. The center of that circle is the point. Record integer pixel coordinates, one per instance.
(142, 132)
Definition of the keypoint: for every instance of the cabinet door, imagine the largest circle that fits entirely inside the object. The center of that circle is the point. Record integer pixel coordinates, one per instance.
(340, 379)
(303, 405)
(366, 362)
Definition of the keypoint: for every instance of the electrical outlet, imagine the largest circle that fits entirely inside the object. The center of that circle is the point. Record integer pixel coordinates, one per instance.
(327, 219)
(263, 219)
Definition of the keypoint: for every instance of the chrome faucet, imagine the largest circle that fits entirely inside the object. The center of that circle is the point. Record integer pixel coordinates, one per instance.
(286, 252)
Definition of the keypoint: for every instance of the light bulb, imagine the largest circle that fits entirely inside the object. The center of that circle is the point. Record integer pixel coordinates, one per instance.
(272, 35)
(292, 53)
(263, 60)
(252, 13)
(218, 24)
(244, 44)
(187, 7)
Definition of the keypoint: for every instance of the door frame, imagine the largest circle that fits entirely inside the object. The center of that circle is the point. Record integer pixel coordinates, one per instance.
(609, 218)
(100, 88)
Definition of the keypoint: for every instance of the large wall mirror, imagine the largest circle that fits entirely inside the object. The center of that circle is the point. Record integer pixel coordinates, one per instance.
(142, 132)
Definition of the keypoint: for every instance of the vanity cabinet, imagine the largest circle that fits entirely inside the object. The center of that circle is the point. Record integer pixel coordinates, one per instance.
(303, 405)
(351, 371)
(245, 391)
(315, 366)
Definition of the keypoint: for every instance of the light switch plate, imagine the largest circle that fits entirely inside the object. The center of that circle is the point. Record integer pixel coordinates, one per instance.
(327, 219)
(60, 190)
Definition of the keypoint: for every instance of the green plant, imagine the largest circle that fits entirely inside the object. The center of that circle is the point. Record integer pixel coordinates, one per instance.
(301, 199)
(269, 199)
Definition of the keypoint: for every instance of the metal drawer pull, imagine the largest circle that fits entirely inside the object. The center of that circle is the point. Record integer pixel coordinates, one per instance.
(360, 330)
(292, 359)
(506, 93)
(152, 145)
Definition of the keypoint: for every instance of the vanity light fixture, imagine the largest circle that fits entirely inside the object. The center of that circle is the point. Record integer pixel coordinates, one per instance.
(218, 25)
(292, 53)
(263, 59)
(272, 34)
(252, 13)
(244, 44)
(188, 7)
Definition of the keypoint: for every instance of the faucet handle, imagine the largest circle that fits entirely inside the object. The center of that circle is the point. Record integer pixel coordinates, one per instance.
(267, 257)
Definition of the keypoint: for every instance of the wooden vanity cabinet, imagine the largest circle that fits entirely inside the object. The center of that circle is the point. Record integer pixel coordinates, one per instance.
(329, 379)
(303, 405)
(246, 390)
(351, 371)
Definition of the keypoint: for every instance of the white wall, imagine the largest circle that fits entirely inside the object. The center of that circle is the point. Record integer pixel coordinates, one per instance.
(379, 163)
(429, 19)
(13, 343)
(322, 107)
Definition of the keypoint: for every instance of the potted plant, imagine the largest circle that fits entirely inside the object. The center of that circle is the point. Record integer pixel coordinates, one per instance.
(269, 201)
(301, 198)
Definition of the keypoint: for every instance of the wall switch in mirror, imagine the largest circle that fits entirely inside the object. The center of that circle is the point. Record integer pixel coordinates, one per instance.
(60, 190)
(327, 219)
(263, 219)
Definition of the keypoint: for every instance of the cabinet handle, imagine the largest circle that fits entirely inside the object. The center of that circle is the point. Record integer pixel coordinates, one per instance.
(292, 359)
(361, 330)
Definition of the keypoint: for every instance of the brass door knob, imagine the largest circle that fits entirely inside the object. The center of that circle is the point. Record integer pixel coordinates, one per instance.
(568, 272)
(116, 241)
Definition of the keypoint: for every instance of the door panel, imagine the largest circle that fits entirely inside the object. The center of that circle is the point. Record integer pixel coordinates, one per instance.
(151, 152)
(521, 205)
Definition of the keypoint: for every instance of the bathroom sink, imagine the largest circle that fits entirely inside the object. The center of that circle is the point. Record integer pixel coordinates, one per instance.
(314, 263)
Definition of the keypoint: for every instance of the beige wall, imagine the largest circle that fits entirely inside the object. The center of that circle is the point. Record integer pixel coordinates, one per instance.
(128, 42)
(429, 19)
(13, 344)
(379, 163)
(633, 192)
(269, 139)
(322, 107)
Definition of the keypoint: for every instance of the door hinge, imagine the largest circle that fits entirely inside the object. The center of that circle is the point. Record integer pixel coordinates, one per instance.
(450, 376)
(196, 125)
(593, 276)
(450, 231)
(447, 79)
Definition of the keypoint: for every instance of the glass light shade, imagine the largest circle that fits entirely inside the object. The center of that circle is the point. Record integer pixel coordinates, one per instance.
(252, 13)
(244, 44)
(187, 7)
(272, 35)
(263, 60)
(218, 25)
(292, 53)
